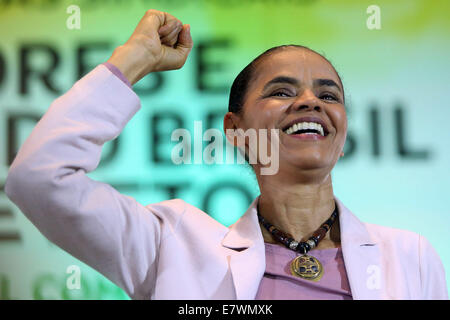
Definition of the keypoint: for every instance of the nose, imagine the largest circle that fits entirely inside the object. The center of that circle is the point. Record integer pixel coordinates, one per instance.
(307, 101)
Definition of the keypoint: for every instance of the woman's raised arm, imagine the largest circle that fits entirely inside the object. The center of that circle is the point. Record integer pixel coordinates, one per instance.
(109, 231)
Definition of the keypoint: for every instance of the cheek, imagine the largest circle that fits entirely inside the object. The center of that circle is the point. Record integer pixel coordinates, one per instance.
(339, 118)
(262, 115)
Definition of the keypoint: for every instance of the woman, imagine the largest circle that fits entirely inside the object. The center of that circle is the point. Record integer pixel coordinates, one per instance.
(293, 240)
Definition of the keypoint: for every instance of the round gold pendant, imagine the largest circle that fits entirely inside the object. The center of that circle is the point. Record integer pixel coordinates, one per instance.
(307, 267)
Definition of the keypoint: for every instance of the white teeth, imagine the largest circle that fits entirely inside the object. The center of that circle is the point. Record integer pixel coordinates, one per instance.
(304, 126)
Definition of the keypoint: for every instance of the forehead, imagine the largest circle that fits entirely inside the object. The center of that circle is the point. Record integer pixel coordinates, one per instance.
(299, 63)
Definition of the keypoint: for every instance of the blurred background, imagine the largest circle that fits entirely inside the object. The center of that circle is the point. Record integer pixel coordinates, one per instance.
(392, 58)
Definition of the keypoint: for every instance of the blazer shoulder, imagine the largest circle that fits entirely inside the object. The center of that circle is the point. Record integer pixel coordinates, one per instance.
(404, 239)
(178, 214)
(404, 243)
(416, 254)
(401, 243)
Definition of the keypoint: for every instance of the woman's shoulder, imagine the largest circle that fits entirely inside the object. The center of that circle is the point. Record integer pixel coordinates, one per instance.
(179, 213)
(381, 233)
(413, 249)
(401, 241)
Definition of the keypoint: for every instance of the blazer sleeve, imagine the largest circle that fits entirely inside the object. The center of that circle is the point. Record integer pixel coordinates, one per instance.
(91, 220)
(432, 273)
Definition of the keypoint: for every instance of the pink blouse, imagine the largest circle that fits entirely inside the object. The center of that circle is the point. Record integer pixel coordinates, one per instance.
(279, 284)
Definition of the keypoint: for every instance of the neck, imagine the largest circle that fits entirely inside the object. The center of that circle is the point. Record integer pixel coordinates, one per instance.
(298, 208)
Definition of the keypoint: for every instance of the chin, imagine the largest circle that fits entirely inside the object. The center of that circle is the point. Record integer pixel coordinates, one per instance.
(308, 163)
(311, 166)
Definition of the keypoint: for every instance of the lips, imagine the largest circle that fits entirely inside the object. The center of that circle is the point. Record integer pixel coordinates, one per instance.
(303, 123)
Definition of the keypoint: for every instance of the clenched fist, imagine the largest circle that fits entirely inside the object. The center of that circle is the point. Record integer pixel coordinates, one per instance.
(160, 42)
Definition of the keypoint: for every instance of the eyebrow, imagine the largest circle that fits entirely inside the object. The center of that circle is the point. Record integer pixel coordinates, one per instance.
(295, 82)
(281, 79)
(327, 82)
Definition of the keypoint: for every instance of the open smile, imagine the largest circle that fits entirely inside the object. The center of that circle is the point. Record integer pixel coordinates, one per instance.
(307, 128)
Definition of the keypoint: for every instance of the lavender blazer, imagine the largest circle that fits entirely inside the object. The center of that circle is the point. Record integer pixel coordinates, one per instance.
(172, 250)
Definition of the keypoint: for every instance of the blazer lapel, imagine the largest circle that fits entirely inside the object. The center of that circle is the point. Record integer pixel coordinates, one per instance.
(361, 257)
(247, 261)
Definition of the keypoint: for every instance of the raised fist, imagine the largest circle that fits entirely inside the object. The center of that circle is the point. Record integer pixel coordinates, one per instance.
(160, 42)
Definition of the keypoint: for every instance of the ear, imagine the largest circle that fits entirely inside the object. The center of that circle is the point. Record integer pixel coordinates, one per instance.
(230, 124)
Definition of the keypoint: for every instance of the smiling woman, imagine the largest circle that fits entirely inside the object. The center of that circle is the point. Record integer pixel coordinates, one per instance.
(297, 240)
(283, 86)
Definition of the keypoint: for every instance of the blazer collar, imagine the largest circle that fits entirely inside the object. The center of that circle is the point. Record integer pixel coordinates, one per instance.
(361, 254)
(248, 262)
(362, 257)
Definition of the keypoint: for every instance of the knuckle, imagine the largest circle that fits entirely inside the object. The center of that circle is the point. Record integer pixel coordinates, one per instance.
(153, 12)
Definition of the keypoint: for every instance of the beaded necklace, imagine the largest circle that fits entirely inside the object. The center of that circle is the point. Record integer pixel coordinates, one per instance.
(303, 266)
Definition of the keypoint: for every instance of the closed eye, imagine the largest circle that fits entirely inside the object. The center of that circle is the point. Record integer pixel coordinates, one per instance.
(328, 97)
(281, 93)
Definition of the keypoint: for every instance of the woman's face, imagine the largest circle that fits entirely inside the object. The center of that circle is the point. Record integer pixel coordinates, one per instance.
(289, 85)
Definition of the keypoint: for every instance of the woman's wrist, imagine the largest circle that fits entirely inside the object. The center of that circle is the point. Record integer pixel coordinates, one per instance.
(129, 63)
(117, 73)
